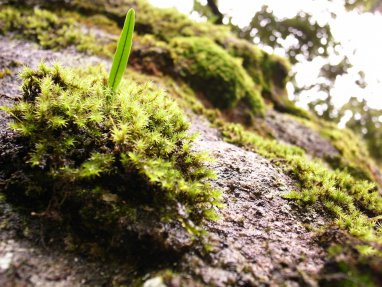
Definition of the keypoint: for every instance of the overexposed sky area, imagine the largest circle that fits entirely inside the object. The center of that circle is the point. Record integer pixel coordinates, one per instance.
(359, 34)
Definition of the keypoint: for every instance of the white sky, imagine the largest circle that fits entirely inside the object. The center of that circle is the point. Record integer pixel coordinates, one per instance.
(359, 34)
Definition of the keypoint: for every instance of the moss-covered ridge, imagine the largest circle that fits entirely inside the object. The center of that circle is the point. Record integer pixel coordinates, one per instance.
(50, 30)
(105, 162)
(210, 69)
(354, 205)
(268, 72)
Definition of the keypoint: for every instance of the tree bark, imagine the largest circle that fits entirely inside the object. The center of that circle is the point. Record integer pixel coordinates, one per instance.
(215, 10)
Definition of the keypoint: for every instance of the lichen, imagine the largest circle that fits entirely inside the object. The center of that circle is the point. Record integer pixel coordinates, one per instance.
(103, 160)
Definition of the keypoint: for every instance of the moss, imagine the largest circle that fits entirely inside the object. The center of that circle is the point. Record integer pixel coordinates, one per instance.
(164, 24)
(250, 55)
(48, 29)
(102, 161)
(353, 154)
(269, 72)
(358, 264)
(354, 205)
(352, 202)
(5, 72)
(353, 157)
(212, 71)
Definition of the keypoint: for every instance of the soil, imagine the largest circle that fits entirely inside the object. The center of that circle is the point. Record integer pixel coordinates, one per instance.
(261, 239)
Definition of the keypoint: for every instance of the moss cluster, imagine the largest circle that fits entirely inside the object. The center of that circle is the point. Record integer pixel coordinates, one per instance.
(109, 158)
(268, 72)
(211, 70)
(164, 24)
(5, 72)
(354, 156)
(47, 29)
(355, 204)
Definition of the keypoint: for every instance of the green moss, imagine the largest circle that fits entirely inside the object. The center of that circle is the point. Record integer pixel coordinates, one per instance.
(269, 72)
(350, 201)
(5, 72)
(353, 154)
(354, 205)
(48, 29)
(103, 160)
(353, 157)
(212, 71)
(164, 24)
(356, 267)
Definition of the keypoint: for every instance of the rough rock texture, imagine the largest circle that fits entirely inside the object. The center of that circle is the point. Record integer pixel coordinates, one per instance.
(292, 132)
(260, 240)
(26, 259)
(260, 237)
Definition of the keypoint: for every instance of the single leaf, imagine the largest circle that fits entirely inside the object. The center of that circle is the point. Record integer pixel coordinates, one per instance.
(123, 51)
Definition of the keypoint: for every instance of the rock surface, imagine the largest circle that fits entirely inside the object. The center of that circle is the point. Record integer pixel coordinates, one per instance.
(292, 132)
(260, 239)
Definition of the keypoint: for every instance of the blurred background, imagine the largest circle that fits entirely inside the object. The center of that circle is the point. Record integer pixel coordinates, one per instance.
(335, 48)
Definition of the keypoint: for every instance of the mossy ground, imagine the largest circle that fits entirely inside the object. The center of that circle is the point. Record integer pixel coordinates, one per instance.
(200, 61)
(354, 205)
(247, 64)
(50, 30)
(102, 161)
(345, 192)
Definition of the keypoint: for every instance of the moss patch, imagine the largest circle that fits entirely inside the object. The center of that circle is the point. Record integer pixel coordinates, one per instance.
(48, 29)
(211, 70)
(354, 155)
(355, 205)
(103, 162)
(268, 72)
(5, 72)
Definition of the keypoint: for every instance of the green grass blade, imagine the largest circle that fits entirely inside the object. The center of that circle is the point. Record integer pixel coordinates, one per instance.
(123, 51)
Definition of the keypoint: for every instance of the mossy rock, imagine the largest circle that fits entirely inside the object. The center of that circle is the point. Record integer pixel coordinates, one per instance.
(48, 29)
(211, 70)
(162, 23)
(354, 156)
(105, 162)
(270, 72)
(355, 204)
(151, 56)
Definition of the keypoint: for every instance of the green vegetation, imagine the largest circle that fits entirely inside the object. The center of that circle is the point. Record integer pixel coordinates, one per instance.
(103, 162)
(122, 53)
(211, 70)
(5, 72)
(354, 156)
(352, 202)
(269, 73)
(47, 29)
(106, 159)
